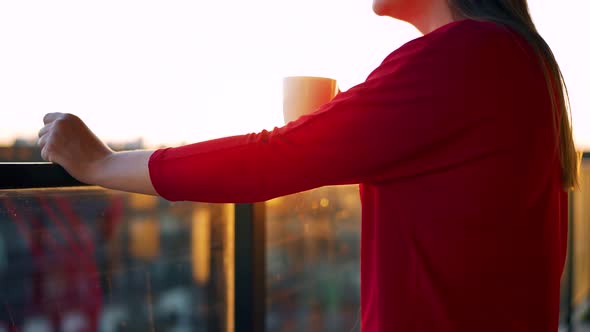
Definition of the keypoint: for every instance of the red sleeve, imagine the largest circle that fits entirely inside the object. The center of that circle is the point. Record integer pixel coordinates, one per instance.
(403, 120)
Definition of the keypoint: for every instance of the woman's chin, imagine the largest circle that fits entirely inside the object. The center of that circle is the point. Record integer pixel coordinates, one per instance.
(379, 8)
(382, 7)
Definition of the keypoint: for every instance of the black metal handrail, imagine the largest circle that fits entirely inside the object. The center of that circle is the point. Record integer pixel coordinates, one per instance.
(35, 175)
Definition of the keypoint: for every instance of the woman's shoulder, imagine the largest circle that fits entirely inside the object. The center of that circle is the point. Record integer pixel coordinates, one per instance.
(468, 27)
(468, 34)
(468, 41)
(467, 51)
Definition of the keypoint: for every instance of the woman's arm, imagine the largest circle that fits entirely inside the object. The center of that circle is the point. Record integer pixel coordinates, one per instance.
(126, 170)
(67, 141)
(428, 107)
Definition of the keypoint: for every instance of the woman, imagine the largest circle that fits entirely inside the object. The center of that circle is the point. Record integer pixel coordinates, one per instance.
(462, 147)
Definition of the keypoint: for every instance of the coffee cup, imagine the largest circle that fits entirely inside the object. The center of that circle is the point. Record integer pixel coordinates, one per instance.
(306, 94)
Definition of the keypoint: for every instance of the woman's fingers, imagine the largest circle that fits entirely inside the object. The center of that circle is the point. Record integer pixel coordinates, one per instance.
(45, 154)
(45, 129)
(46, 134)
(50, 117)
(42, 141)
(46, 148)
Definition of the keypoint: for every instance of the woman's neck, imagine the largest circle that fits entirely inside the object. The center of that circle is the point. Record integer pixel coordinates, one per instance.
(434, 16)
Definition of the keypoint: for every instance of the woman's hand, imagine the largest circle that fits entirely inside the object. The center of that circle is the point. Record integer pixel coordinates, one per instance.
(67, 141)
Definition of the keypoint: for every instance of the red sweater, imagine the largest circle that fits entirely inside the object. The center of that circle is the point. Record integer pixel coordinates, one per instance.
(451, 139)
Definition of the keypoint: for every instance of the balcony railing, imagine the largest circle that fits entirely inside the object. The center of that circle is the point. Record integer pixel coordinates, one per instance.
(80, 258)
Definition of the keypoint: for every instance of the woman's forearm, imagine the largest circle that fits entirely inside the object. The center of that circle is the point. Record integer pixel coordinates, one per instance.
(126, 171)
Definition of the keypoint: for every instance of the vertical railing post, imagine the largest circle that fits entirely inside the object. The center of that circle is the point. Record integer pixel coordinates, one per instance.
(570, 265)
(250, 267)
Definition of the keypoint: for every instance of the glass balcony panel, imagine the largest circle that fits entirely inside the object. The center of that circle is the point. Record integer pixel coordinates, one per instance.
(577, 269)
(313, 255)
(97, 260)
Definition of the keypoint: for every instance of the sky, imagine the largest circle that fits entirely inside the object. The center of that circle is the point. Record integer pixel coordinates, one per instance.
(179, 71)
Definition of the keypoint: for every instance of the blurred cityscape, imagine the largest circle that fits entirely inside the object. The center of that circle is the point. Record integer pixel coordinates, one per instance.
(313, 261)
(97, 260)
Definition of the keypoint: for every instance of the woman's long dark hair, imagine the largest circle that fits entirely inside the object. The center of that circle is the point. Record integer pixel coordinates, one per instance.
(515, 15)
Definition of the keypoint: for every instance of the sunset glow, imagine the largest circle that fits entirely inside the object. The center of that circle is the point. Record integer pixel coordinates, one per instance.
(186, 71)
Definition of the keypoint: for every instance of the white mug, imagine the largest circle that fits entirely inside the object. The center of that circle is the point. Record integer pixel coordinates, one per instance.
(306, 94)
